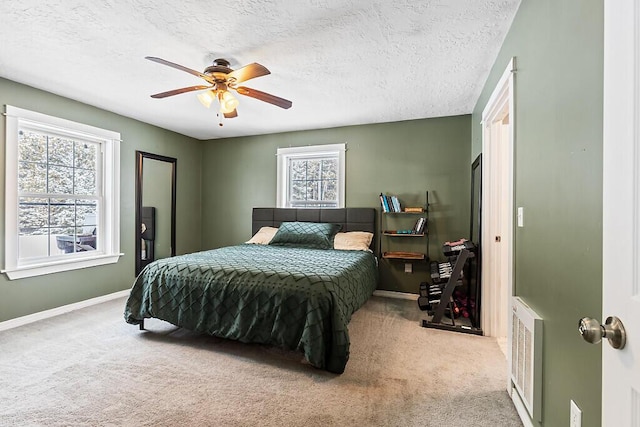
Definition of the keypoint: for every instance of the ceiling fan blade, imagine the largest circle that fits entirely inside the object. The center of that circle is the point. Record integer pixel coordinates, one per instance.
(263, 96)
(231, 115)
(179, 91)
(247, 72)
(179, 67)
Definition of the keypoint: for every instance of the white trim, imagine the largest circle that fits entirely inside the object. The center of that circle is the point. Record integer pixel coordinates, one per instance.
(81, 130)
(520, 408)
(41, 315)
(621, 207)
(284, 154)
(108, 199)
(502, 94)
(394, 294)
(507, 76)
(59, 266)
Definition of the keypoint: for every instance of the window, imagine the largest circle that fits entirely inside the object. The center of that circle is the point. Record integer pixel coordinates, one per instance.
(62, 195)
(311, 177)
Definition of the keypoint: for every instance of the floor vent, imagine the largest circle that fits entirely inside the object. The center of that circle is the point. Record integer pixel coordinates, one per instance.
(526, 356)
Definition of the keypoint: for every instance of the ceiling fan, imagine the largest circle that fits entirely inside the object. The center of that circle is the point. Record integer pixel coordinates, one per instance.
(221, 78)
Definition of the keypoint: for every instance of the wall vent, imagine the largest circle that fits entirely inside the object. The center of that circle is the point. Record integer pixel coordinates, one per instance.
(526, 356)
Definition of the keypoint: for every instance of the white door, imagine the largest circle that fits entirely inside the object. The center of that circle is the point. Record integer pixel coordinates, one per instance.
(497, 203)
(621, 211)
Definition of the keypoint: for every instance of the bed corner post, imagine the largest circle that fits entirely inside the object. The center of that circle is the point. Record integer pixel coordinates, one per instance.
(142, 325)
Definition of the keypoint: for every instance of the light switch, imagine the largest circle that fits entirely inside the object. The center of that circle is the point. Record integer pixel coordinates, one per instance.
(408, 267)
(520, 216)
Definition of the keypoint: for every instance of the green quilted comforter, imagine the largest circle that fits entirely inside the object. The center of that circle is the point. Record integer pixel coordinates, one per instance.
(293, 298)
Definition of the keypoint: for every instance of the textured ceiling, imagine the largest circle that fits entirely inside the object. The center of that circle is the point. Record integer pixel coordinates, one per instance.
(341, 62)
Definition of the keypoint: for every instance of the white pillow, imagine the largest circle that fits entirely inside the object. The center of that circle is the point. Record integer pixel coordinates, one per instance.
(353, 241)
(263, 236)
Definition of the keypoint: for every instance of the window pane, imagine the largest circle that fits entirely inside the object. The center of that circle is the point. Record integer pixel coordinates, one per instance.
(86, 155)
(64, 240)
(32, 177)
(63, 213)
(33, 215)
(330, 169)
(60, 180)
(312, 190)
(298, 169)
(87, 216)
(32, 147)
(85, 242)
(298, 190)
(330, 190)
(60, 151)
(34, 245)
(85, 181)
(313, 169)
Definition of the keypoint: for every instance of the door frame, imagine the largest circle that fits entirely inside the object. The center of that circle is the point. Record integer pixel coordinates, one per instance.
(621, 207)
(502, 94)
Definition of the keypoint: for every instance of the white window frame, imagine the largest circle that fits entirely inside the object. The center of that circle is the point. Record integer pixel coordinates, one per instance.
(108, 251)
(308, 152)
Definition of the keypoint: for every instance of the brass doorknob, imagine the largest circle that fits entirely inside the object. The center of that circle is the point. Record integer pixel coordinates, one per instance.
(613, 329)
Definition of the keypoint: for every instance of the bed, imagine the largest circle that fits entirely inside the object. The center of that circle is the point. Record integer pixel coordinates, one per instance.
(291, 296)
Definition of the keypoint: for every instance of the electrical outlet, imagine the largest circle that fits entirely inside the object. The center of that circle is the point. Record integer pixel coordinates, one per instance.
(408, 267)
(575, 418)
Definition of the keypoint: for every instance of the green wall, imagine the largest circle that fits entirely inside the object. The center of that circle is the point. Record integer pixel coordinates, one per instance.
(26, 296)
(401, 158)
(558, 46)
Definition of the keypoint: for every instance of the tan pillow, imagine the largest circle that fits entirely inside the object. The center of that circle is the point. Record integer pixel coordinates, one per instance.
(353, 241)
(263, 236)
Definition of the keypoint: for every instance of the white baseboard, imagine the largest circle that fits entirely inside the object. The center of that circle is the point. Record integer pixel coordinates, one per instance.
(394, 294)
(522, 411)
(41, 315)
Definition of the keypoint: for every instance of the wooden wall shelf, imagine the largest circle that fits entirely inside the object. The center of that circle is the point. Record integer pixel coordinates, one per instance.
(404, 255)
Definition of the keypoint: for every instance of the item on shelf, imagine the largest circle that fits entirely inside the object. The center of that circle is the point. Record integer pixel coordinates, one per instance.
(429, 296)
(403, 255)
(396, 204)
(465, 303)
(418, 228)
(405, 223)
(413, 210)
(390, 203)
(384, 203)
(395, 232)
(441, 271)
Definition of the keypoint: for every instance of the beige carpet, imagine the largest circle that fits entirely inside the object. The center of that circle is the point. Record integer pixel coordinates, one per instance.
(90, 368)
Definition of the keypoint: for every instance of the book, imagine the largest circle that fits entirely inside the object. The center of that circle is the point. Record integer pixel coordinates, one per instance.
(418, 228)
(423, 223)
(396, 204)
(383, 202)
(392, 207)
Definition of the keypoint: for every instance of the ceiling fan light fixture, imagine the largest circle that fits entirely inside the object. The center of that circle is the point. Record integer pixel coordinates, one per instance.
(219, 78)
(228, 102)
(206, 98)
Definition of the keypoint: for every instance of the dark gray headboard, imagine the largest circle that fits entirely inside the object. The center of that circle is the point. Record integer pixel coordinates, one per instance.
(351, 219)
